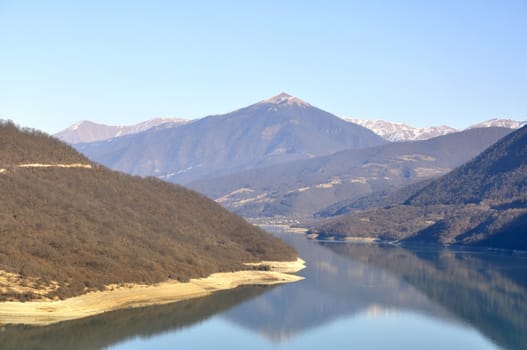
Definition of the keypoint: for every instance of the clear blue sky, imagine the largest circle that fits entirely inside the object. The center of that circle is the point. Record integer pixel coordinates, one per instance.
(125, 61)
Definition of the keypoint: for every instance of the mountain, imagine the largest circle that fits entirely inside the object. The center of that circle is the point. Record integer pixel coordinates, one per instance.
(299, 189)
(86, 131)
(280, 129)
(483, 202)
(69, 226)
(401, 132)
(501, 123)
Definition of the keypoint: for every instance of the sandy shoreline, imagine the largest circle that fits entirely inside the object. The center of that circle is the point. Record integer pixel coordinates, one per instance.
(47, 312)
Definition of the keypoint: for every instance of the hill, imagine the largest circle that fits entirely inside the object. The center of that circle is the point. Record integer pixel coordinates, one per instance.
(305, 187)
(483, 202)
(387, 197)
(69, 230)
(87, 131)
(280, 129)
(28, 145)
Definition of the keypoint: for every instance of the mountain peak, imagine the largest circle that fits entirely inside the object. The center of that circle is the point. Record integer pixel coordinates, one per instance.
(497, 122)
(88, 131)
(284, 98)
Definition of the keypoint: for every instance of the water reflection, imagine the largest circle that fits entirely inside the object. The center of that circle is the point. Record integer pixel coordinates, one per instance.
(488, 290)
(362, 290)
(335, 287)
(104, 330)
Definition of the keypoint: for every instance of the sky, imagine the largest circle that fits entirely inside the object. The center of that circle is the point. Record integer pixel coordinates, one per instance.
(121, 62)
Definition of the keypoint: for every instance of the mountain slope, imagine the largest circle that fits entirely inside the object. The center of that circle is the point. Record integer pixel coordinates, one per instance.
(304, 187)
(87, 131)
(497, 174)
(66, 231)
(483, 202)
(280, 129)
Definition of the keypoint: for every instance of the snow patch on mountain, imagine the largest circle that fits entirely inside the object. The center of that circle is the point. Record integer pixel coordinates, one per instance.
(87, 131)
(286, 99)
(401, 132)
(502, 123)
(395, 132)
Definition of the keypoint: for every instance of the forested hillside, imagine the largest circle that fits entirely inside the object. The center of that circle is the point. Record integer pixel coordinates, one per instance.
(74, 230)
(32, 146)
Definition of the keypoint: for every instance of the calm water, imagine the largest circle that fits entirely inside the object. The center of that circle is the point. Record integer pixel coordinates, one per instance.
(354, 296)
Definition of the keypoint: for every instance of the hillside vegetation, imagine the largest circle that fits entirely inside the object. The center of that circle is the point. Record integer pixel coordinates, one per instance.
(32, 146)
(74, 230)
(483, 202)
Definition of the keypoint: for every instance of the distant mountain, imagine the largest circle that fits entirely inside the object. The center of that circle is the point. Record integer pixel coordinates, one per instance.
(87, 131)
(483, 202)
(501, 123)
(302, 188)
(69, 226)
(280, 129)
(401, 132)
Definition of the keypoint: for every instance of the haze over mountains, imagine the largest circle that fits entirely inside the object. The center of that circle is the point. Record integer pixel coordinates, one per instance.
(483, 202)
(70, 226)
(277, 130)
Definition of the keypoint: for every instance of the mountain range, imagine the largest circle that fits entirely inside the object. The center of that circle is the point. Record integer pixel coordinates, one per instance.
(69, 226)
(87, 131)
(282, 157)
(402, 132)
(276, 130)
(301, 188)
(483, 202)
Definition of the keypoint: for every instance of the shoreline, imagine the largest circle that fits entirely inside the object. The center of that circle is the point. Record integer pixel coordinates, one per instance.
(40, 313)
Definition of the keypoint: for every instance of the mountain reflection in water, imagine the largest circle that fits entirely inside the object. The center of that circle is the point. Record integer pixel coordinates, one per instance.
(484, 290)
(481, 294)
(487, 290)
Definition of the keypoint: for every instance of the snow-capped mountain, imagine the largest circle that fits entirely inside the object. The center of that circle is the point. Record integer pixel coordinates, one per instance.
(285, 99)
(401, 132)
(87, 131)
(502, 123)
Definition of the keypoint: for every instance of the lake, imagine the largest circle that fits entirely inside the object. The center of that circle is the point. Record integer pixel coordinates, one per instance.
(361, 296)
